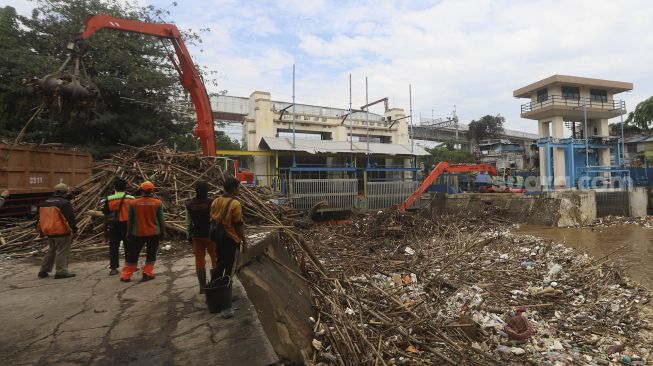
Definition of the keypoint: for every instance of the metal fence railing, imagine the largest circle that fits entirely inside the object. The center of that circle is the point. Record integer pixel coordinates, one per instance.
(340, 193)
(612, 203)
(381, 195)
(642, 176)
(559, 100)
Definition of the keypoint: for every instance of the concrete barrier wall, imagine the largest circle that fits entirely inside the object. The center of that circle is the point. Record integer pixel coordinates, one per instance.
(576, 207)
(638, 199)
(282, 299)
(568, 208)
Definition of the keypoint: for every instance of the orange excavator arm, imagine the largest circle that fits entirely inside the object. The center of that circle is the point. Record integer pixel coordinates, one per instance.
(188, 74)
(445, 167)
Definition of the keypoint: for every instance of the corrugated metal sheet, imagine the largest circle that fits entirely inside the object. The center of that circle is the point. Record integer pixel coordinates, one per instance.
(634, 139)
(330, 146)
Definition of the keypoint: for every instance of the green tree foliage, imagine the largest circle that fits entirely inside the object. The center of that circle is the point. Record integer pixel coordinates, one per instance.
(142, 99)
(615, 129)
(486, 127)
(442, 153)
(223, 142)
(642, 117)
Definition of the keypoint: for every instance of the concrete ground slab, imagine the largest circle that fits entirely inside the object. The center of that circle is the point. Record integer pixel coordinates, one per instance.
(94, 319)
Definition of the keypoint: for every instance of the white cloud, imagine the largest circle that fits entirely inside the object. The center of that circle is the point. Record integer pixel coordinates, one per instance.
(471, 53)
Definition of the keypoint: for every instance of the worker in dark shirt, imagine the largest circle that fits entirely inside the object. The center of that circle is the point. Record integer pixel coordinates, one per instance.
(198, 220)
(57, 223)
(228, 212)
(116, 214)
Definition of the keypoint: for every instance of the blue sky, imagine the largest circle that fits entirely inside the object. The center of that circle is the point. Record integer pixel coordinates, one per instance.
(468, 53)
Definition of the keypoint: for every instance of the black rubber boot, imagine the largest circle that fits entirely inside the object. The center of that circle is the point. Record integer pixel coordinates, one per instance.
(201, 278)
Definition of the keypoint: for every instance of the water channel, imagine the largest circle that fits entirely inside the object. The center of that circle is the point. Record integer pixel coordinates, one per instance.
(637, 254)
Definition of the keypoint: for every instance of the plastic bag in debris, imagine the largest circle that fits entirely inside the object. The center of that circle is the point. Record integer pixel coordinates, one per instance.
(527, 264)
(316, 344)
(513, 350)
(382, 281)
(488, 320)
(469, 296)
(554, 269)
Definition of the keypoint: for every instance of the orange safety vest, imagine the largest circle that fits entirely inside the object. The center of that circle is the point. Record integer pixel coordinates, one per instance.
(52, 222)
(145, 216)
(113, 202)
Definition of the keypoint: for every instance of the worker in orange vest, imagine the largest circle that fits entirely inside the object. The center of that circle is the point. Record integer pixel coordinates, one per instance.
(227, 214)
(198, 219)
(145, 227)
(57, 223)
(116, 214)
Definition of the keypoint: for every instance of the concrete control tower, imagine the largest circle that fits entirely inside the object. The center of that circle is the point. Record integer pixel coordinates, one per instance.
(572, 114)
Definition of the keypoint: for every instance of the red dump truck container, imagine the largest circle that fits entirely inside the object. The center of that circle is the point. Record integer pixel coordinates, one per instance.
(30, 172)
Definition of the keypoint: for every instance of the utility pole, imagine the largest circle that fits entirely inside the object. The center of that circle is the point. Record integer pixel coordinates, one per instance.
(351, 131)
(455, 118)
(294, 161)
(587, 153)
(622, 110)
(293, 106)
(367, 121)
(410, 101)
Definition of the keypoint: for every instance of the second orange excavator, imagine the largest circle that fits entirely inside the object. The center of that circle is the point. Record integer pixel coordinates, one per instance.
(445, 167)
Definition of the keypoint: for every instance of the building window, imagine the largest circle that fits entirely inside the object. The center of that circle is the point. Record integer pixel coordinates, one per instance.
(542, 95)
(570, 92)
(598, 95)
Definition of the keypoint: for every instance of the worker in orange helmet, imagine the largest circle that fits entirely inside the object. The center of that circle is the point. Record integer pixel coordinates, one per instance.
(145, 227)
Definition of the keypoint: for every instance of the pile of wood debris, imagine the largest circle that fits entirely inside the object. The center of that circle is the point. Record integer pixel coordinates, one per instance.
(174, 174)
(397, 288)
(402, 289)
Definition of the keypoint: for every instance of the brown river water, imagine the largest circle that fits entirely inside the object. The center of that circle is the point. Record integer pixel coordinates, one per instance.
(637, 255)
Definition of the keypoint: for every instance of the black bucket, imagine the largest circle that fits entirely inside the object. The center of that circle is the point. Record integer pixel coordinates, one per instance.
(218, 294)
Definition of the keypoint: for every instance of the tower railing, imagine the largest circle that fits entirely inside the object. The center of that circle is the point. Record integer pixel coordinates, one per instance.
(559, 100)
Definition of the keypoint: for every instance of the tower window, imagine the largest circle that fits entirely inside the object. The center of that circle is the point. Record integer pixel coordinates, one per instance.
(599, 95)
(542, 95)
(570, 92)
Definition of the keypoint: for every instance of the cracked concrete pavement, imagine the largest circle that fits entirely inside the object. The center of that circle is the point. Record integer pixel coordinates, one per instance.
(94, 319)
